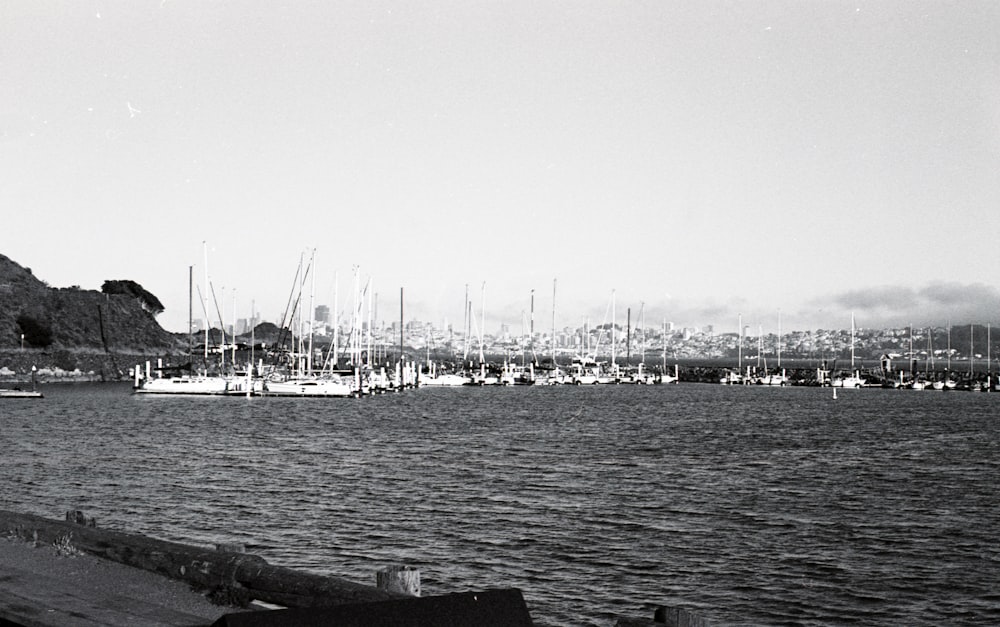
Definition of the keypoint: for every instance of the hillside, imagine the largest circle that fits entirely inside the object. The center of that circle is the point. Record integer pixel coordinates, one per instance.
(73, 319)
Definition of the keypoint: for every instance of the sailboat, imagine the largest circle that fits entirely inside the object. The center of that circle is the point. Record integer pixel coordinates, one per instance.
(778, 377)
(854, 378)
(731, 377)
(917, 381)
(174, 380)
(484, 376)
(303, 381)
(431, 377)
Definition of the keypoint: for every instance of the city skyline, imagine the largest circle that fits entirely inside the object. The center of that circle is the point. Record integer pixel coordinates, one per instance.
(703, 161)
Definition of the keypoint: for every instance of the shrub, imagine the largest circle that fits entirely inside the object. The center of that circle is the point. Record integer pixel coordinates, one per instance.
(36, 333)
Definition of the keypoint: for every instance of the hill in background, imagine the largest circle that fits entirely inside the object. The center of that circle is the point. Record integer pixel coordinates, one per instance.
(38, 317)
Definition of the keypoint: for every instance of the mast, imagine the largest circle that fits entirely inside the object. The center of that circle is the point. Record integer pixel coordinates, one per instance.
(233, 359)
(401, 330)
(554, 322)
(760, 344)
(930, 350)
(739, 350)
(779, 339)
(642, 323)
(613, 330)
(913, 361)
(468, 334)
(297, 316)
(664, 344)
(523, 343)
(190, 308)
(371, 312)
(482, 325)
(253, 330)
(531, 328)
(852, 341)
(531, 321)
(336, 319)
(949, 349)
(465, 327)
(355, 347)
(204, 299)
(628, 337)
(312, 311)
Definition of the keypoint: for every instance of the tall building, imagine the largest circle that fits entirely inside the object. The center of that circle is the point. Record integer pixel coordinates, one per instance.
(322, 314)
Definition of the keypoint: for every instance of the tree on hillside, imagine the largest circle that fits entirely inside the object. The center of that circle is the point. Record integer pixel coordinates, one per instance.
(146, 300)
(37, 334)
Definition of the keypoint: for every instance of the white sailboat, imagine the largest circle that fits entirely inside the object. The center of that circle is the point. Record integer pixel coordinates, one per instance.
(303, 380)
(735, 377)
(169, 380)
(433, 378)
(854, 378)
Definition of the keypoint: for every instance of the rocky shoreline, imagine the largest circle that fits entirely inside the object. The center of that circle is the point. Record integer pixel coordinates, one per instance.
(62, 366)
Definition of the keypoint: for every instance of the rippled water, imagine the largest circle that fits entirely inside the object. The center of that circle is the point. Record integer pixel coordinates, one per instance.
(746, 505)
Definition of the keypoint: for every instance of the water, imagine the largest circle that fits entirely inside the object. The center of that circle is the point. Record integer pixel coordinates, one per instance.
(752, 506)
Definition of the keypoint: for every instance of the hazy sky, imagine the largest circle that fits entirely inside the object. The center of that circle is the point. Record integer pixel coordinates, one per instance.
(700, 159)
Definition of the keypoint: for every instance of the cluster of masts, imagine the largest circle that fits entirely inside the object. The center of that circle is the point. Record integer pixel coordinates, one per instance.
(364, 380)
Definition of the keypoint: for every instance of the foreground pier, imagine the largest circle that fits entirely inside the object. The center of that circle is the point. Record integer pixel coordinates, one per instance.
(70, 573)
(73, 574)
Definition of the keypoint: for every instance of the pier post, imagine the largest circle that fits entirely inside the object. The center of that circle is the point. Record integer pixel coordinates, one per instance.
(399, 579)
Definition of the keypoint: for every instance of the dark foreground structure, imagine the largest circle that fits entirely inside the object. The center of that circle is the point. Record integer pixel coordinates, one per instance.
(72, 573)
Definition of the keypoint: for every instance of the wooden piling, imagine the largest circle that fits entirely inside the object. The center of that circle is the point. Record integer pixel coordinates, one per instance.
(399, 580)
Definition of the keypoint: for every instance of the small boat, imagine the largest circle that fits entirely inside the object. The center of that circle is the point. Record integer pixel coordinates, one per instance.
(19, 393)
(853, 380)
(513, 374)
(586, 371)
(443, 380)
(432, 377)
(555, 376)
(777, 379)
(484, 376)
(731, 377)
(639, 376)
(325, 386)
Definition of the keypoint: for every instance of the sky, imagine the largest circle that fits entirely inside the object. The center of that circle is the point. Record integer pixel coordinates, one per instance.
(698, 162)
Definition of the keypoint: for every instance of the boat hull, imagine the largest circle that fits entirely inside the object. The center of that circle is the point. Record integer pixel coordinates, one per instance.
(307, 388)
(205, 386)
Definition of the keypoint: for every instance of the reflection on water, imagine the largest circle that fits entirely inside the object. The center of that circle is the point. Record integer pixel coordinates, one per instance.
(748, 505)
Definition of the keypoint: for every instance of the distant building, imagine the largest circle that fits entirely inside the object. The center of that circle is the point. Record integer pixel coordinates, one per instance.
(322, 314)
